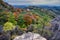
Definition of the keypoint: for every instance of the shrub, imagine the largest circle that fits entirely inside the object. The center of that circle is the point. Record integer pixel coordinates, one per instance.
(12, 19)
(8, 26)
(21, 21)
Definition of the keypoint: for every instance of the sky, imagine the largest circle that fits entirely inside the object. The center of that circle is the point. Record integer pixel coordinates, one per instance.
(33, 2)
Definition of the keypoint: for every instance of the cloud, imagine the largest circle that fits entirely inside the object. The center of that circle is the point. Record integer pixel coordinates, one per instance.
(19, 2)
(33, 2)
(46, 2)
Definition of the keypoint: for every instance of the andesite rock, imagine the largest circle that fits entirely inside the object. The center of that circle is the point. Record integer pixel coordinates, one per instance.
(30, 36)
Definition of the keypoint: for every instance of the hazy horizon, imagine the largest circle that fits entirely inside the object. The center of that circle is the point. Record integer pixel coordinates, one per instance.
(34, 2)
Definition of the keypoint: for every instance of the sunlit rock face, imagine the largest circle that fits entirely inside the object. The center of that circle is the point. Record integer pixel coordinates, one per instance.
(30, 36)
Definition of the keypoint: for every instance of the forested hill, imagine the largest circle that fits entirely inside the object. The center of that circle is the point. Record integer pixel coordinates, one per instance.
(55, 9)
(4, 5)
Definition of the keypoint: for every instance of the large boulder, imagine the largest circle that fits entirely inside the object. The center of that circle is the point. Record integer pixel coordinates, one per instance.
(30, 36)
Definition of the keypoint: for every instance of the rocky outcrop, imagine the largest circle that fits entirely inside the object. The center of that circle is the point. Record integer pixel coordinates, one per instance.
(56, 23)
(30, 36)
(56, 28)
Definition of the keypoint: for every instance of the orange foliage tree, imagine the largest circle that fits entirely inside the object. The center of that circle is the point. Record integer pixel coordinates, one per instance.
(28, 19)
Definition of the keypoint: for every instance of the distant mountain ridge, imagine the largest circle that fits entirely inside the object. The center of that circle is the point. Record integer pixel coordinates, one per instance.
(55, 9)
(41, 6)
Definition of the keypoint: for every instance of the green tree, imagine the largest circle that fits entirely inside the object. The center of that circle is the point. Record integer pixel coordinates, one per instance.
(21, 21)
(46, 19)
(11, 18)
(3, 17)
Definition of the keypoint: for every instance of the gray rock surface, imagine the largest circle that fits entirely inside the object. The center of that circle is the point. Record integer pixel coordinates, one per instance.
(56, 24)
(56, 28)
(30, 36)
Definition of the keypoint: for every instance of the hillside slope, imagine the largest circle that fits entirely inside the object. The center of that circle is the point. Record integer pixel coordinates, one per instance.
(4, 5)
